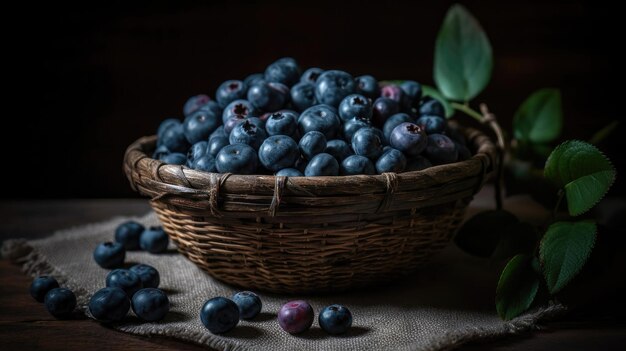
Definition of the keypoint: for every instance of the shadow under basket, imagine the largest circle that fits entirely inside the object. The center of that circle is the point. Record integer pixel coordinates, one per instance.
(309, 234)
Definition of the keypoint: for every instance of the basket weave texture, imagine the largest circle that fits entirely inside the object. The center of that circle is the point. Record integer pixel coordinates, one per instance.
(309, 234)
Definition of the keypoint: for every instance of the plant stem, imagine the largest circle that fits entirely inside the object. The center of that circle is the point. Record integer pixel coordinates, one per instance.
(468, 111)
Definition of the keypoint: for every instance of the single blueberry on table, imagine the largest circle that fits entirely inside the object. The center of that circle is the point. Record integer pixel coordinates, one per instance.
(413, 90)
(368, 86)
(60, 302)
(278, 152)
(173, 138)
(268, 96)
(219, 315)
(237, 159)
(150, 304)
(303, 96)
(417, 163)
(154, 240)
(253, 79)
(311, 144)
(352, 125)
(109, 305)
(356, 164)
(391, 160)
(322, 165)
(247, 133)
(196, 151)
(167, 123)
(431, 107)
(160, 152)
(281, 123)
(199, 125)
(355, 105)
(339, 149)
(367, 142)
(322, 118)
(440, 149)
(149, 275)
(128, 234)
(383, 108)
(205, 163)
(124, 279)
(230, 91)
(109, 255)
(194, 103)
(333, 86)
(216, 144)
(408, 138)
(393, 121)
(175, 158)
(335, 319)
(241, 108)
(295, 317)
(395, 93)
(432, 124)
(311, 75)
(249, 304)
(289, 172)
(285, 71)
(41, 285)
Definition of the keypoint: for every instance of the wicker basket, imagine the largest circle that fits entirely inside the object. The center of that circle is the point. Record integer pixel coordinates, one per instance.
(309, 234)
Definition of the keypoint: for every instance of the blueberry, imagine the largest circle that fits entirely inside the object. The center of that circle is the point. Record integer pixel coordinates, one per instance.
(464, 152)
(109, 255)
(322, 118)
(196, 151)
(352, 125)
(413, 90)
(268, 96)
(109, 305)
(174, 139)
(357, 164)
(408, 138)
(219, 132)
(278, 152)
(154, 240)
(128, 234)
(367, 142)
(432, 124)
(41, 285)
(216, 144)
(333, 86)
(383, 108)
(150, 304)
(430, 106)
(393, 121)
(396, 94)
(355, 105)
(311, 75)
(124, 279)
(417, 163)
(311, 144)
(237, 159)
(368, 86)
(289, 172)
(205, 163)
(234, 121)
(253, 79)
(301, 164)
(149, 275)
(199, 125)
(335, 319)
(249, 304)
(160, 152)
(194, 103)
(175, 158)
(322, 165)
(339, 149)
(391, 160)
(241, 108)
(303, 96)
(281, 123)
(247, 133)
(169, 122)
(219, 315)
(440, 149)
(60, 302)
(230, 91)
(285, 71)
(296, 316)
(455, 134)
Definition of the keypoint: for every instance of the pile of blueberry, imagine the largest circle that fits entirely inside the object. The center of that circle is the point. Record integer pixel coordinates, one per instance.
(316, 123)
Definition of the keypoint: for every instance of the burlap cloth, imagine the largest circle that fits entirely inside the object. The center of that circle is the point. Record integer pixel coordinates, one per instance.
(446, 303)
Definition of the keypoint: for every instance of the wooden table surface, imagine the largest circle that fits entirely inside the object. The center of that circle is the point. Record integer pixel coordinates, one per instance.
(25, 324)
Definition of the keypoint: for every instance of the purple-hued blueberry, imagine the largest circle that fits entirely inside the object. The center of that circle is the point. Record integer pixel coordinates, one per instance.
(440, 149)
(413, 90)
(128, 234)
(296, 316)
(197, 150)
(356, 164)
(431, 107)
(60, 302)
(432, 124)
(219, 315)
(391, 160)
(322, 118)
(285, 71)
(311, 75)
(199, 125)
(267, 96)
(395, 93)
(216, 144)
(383, 108)
(237, 159)
(247, 133)
(368, 86)
(249, 304)
(150, 304)
(289, 172)
(174, 139)
(205, 163)
(160, 151)
(278, 152)
(408, 138)
(109, 255)
(230, 91)
(124, 279)
(241, 108)
(148, 275)
(230, 124)
(355, 105)
(109, 305)
(367, 142)
(154, 240)
(417, 163)
(169, 122)
(194, 103)
(393, 121)
(303, 96)
(335, 319)
(339, 149)
(253, 79)
(175, 158)
(464, 152)
(322, 165)
(333, 86)
(281, 123)
(352, 125)
(41, 285)
(312, 143)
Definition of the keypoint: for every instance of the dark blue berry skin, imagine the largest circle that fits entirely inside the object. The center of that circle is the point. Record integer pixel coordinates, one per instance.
(339, 149)
(160, 152)
(333, 86)
(408, 138)
(322, 118)
(60, 302)
(174, 139)
(40, 287)
(267, 96)
(128, 234)
(367, 86)
(355, 105)
(124, 279)
(199, 125)
(335, 319)
(356, 164)
(219, 315)
(219, 132)
(311, 75)
(237, 159)
(391, 160)
(395, 93)
(413, 90)
(216, 144)
(367, 142)
(303, 96)
(289, 172)
(154, 240)
(249, 304)
(285, 71)
(440, 149)
(393, 121)
(230, 91)
(455, 134)
(322, 165)
(311, 144)
(383, 108)
(149, 276)
(205, 163)
(464, 152)
(432, 124)
(417, 163)
(232, 123)
(109, 305)
(109, 255)
(278, 152)
(194, 103)
(247, 133)
(352, 125)
(175, 158)
(253, 79)
(170, 122)
(301, 164)
(282, 123)
(150, 304)
(431, 107)
(196, 151)
(241, 108)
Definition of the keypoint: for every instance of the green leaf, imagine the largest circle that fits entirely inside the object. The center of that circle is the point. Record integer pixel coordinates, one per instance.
(463, 56)
(517, 287)
(603, 133)
(435, 94)
(583, 171)
(480, 235)
(564, 250)
(540, 118)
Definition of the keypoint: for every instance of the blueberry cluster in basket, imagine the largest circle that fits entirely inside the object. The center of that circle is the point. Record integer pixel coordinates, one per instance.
(316, 123)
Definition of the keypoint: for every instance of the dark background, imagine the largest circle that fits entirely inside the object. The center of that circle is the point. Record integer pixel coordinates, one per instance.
(86, 80)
